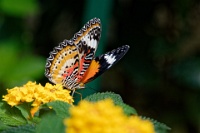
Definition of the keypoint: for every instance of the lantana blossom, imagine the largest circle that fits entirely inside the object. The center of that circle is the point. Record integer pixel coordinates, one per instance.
(37, 94)
(104, 117)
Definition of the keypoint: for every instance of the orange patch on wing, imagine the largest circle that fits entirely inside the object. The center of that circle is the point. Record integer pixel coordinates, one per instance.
(91, 71)
(70, 70)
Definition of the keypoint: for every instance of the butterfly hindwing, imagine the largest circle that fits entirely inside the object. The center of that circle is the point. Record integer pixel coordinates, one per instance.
(63, 63)
(103, 62)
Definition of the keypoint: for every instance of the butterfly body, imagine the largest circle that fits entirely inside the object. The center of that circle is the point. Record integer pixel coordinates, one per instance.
(72, 62)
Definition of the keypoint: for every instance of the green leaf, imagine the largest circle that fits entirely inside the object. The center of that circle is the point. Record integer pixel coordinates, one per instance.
(61, 108)
(51, 123)
(159, 127)
(19, 7)
(128, 110)
(104, 95)
(28, 128)
(3, 126)
(11, 116)
(25, 109)
(35, 119)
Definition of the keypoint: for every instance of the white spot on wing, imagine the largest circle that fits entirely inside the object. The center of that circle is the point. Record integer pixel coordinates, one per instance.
(92, 43)
(110, 59)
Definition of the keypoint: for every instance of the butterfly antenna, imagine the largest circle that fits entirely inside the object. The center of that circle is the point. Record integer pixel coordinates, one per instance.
(58, 87)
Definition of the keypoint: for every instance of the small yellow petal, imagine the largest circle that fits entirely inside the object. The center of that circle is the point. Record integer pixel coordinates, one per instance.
(34, 110)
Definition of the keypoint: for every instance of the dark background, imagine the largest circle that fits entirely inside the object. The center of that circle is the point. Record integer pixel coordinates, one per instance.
(159, 76)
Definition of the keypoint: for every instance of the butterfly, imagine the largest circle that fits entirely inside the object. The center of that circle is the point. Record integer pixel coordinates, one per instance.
(72, 62)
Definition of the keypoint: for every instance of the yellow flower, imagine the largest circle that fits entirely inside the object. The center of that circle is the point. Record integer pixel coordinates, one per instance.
(137, 125)
(104, 117)
(38, 94)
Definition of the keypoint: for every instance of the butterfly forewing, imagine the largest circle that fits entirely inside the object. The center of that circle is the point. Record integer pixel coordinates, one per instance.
(103, 62)
(87, 40)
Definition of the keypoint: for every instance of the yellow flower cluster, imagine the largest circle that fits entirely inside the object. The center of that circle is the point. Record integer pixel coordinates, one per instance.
(38, 94)
(104, 117)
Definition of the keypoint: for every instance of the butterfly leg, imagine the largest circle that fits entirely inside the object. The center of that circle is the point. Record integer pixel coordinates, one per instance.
(79, 94)
(73, 91)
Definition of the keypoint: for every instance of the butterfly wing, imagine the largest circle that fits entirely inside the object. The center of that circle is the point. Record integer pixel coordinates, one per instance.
(62, 63)
(103, 62)
(68, 62)
(87, 40)
(72, 63)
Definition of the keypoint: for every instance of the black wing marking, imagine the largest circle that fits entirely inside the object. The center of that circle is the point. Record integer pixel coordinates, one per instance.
(104, 62)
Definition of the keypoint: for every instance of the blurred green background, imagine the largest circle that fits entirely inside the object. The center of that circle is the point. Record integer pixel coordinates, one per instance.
(159, 76)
